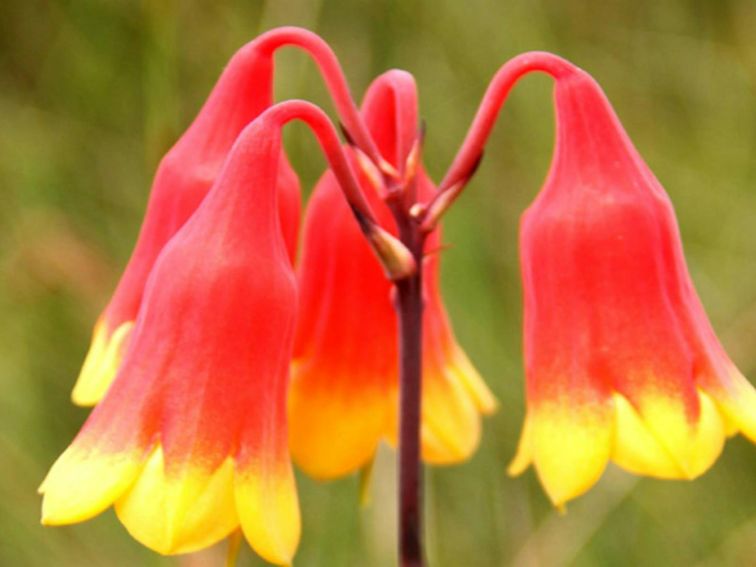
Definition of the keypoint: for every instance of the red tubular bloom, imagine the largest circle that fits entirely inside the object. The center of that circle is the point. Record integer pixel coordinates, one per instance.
(183, 178)
(343, 397)
(621, 360)
(191, 441)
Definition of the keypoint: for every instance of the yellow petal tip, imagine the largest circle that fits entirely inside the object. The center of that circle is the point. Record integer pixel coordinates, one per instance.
(182, 512)
(101, 363)
(516, 467)
(658, 440)
(736, 401)
(82, 483)
(268, 510)
(524, 454)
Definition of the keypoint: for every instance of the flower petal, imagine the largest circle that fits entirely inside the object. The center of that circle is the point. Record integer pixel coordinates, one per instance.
(102, 362)
(181, 511)
(636, 449)
(524, 455)
(268, 508)
(463, 370)
(454, 394)
(84, 482)
(336, 430)
(692, 437)
(569, 444)
(450, 427)
(736, 399)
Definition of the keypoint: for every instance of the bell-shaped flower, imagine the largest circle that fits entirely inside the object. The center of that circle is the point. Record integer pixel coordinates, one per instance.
(190, 441)
(183, 178)
(621, 361)
(344, 394)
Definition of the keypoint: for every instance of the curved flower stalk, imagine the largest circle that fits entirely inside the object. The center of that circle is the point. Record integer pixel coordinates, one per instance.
(343, 397)
(622, 363)
(191, 441)
(188, 171)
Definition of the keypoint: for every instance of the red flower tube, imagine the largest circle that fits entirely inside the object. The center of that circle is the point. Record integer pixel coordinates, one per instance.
(191, 440)
(622, 363)
(182, 180)
(343, 397)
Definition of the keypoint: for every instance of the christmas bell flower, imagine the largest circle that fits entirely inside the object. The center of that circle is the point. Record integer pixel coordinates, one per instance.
(190, 441)
(183, 178)
(186, 174)
(621, 361)
(343, 398)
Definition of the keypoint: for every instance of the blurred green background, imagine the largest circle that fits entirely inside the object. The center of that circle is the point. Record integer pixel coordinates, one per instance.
(92, 93)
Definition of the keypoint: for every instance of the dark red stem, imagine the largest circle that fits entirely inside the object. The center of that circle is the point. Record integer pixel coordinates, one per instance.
(400, 184)
(409, 307)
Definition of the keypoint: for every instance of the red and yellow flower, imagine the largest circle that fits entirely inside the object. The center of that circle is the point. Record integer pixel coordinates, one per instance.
(183, 178)
(344, 394)
(622, 363)
(190, 441)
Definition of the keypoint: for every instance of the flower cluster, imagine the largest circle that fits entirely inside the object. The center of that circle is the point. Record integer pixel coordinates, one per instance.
(227, 348)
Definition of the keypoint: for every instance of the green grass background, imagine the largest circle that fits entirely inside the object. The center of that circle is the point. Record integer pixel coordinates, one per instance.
(92, 93)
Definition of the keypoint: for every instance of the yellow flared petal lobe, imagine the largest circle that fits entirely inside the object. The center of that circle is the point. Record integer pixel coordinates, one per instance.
(635, 447)
(524, 455)
(569, 445)
(269, 512)
(101, 364)
(454, 397)
(450, 427)
(570, 448)
(335, 433)
(737, 404)
(179, 512)
(690, 447)
(82, 483)
(465, 372)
